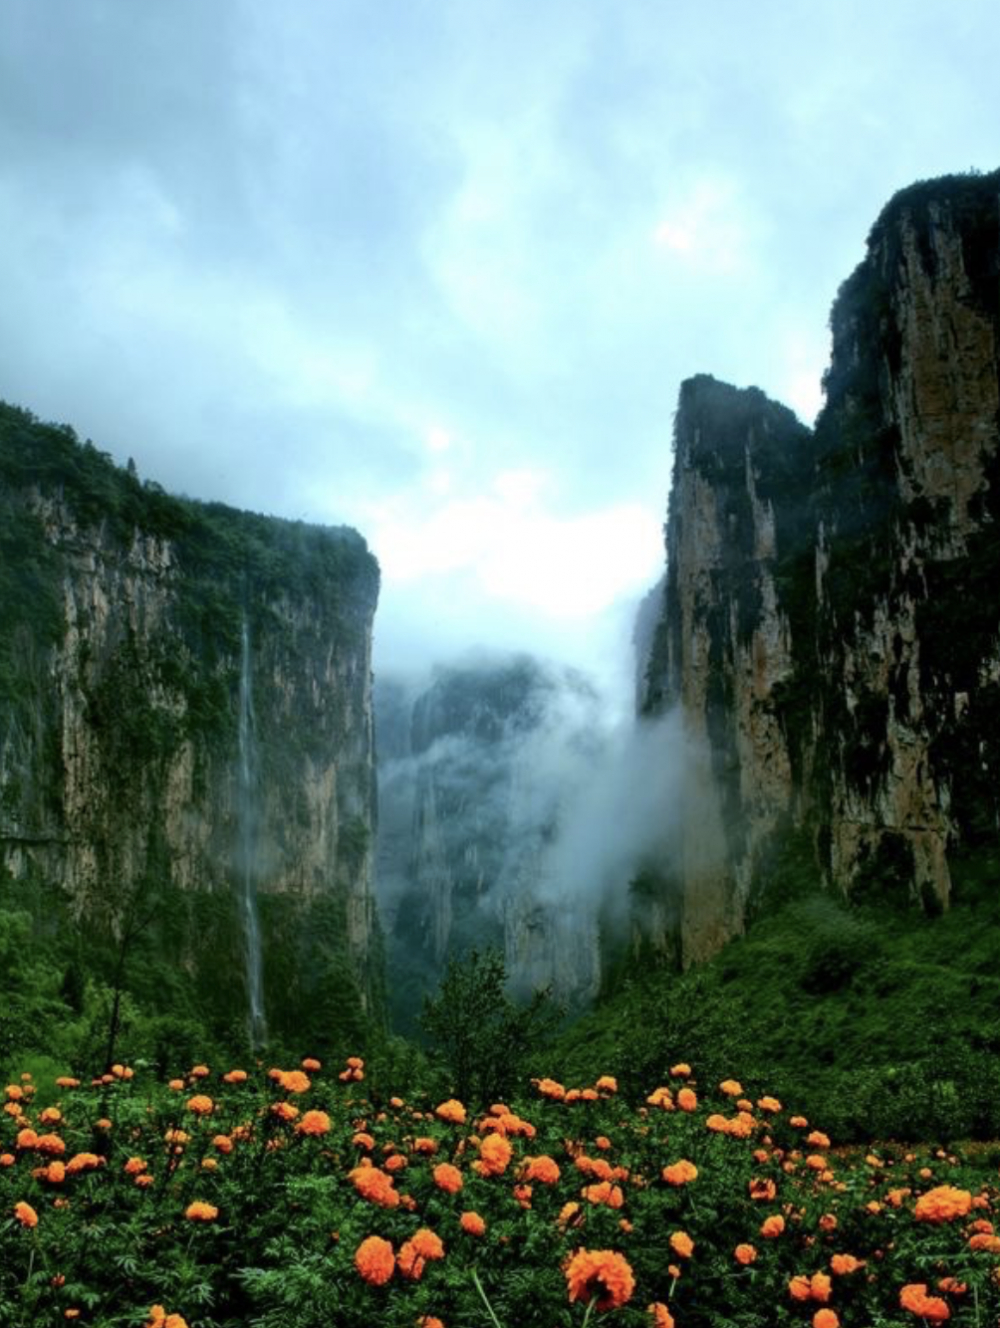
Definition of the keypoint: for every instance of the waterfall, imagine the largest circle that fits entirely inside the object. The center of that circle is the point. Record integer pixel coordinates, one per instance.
(246, 817)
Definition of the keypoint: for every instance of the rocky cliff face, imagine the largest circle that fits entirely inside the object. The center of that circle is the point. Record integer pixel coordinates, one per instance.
(186, 731)
(831, 619)
(470, 798)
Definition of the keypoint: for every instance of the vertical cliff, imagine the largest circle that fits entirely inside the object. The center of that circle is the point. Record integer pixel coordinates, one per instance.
(831, 618)
(186, 733)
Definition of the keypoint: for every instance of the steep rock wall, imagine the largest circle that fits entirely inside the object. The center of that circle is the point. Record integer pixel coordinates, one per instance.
(831, 619)
(125, 781)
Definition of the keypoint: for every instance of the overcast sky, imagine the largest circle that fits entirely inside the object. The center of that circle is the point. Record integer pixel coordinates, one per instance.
(437, 269)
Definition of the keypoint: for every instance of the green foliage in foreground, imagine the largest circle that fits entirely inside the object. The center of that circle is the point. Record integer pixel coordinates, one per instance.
(235, 1200)
(882, 1023)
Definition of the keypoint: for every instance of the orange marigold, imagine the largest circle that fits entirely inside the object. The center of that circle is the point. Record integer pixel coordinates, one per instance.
(294, 1081)
(731, 1087)
(682, 1070)
(680, 1173)
(25, 1214)
(745, 1254)
(682, 1244)
(494, 1155)
(201, 1104)
(201, 1212)
(842, 1264)
(375, 1260)
(763, 1191)
(942, 1204)
(448, 1178)
(472, 1224)
(452, 1111)
(544, 1169)
(604, 1193)
(314, 1122)
(825, 1318)
(661, 1316)
(687, 1099)
(914, 1297)
(603, 1274)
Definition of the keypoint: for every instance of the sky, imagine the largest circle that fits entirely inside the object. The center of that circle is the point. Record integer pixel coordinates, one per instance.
(437, 270)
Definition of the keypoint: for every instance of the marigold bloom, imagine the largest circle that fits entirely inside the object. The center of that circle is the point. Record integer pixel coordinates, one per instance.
(199, 1072)
(83, 1162)
(363, 1140)
(661, 1097)
(494, 1155)
(448, 1178)
(687, 1099)
(914, 1297)
(430, 1321)
(825, 1319)
(375, 1260)
(842, 1264)
(817, 1139)
(472, 1224)
(601, 1273)
(201, 1212)
(942, 1204)
(745, 1254)
(451, 1111)
(544, 1169)
(25, 1214)
(680, 1173)
(294, 1081)
(762, 1190)
(682, 1070)
(176, 1085)
(661, 1316)
(604, 1193)
(201, 1104)
(374, 1185)
(607, 1084)
(223, 1143)
(799, 1288)
(425, 1145)
(769, 1104)
(50, 1116)
(284, 1110)
(55, 1174)
(682, 1244)
(311, 1063)
(717, 1123)
(314, 1123)
(50, 1143)
(235, 1077)
(159, 1318)
(731, 1087)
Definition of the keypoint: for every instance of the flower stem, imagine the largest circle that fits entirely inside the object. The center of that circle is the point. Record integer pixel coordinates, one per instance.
(489, 1307)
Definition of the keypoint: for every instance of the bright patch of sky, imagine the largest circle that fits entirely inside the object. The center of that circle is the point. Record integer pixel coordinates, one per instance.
(438, 271)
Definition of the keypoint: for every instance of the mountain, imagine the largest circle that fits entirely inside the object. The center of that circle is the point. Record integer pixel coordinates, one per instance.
(186, 742)
(829, 628)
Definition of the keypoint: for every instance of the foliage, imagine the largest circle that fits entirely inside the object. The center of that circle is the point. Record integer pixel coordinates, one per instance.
(483, 1037)
(232, 1198)
(854, 1013)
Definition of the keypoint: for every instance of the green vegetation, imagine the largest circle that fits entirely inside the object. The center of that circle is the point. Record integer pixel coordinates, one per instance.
(876, 1021)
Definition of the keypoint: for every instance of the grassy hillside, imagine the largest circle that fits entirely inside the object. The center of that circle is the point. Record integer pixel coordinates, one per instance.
(877, 1022)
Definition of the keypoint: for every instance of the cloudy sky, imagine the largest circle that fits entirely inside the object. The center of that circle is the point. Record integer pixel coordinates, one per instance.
(436, 268)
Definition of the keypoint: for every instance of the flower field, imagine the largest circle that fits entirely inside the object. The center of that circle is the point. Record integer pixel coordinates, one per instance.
(288, 1198)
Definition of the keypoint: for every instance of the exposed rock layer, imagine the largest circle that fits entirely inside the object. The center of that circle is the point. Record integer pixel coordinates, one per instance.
(120, 784)
(831, 621)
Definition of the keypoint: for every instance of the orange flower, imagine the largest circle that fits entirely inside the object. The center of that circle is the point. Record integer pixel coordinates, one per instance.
(544, 1169)
(914, 1298)
(200, 1104)
(428, 1244)
(159, 1318)
(731, 1087)
(607, 1084)
(452, 1111)
(682, 1244)
(762, 1190)
(429, 1321)
(942, 1204)
(374, 1185)
(682, 1070)
(601, 1273)
(825, 1319)
(311, 1063)
(294, 1081)
(134, 1166)
(687, 1099)
(604, 1193)
(845, 1263)
(472, 1224)
(375, 1260)
(223, 1143)
(799, 1288)
(772, 1226)
(662, 1318)
(680, 1173)
(201, 1212)
(314, 1122)
(199, 1072)
(235, 1077)
(83, 1162)
(745, 1254)
(494, 1155)
(447, 1178)
(769, 1104)
(25, 1214)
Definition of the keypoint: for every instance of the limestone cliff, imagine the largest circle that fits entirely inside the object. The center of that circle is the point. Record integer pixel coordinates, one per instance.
(186, 731)
(831, 618)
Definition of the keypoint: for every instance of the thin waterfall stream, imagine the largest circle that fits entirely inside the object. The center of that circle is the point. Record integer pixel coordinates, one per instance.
(247, 820)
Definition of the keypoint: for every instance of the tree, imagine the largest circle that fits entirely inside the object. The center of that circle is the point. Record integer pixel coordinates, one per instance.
(484, 1038)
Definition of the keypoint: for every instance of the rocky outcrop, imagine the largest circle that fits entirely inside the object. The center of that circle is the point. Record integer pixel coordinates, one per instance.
(831, 623)
(128, 782)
